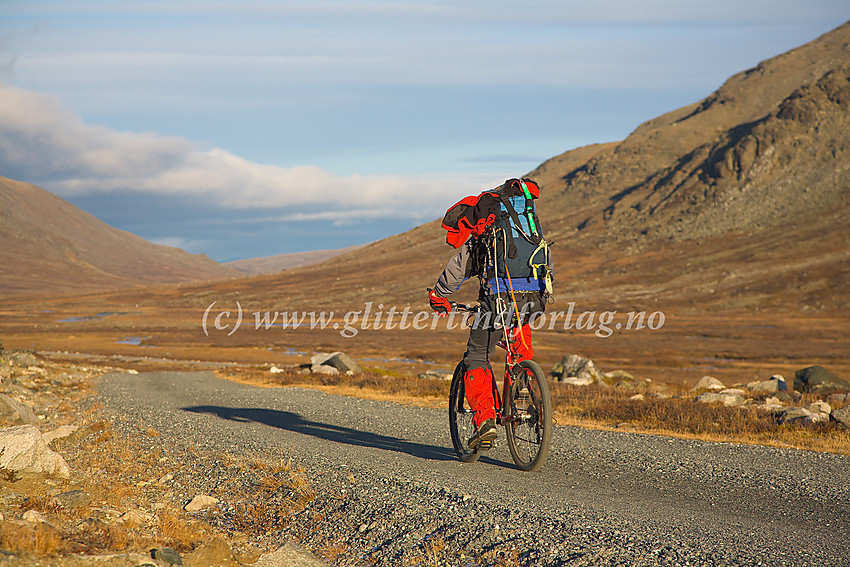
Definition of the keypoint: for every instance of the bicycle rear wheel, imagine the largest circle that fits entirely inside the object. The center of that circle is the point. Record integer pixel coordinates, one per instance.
(460, 418)
(530, 430)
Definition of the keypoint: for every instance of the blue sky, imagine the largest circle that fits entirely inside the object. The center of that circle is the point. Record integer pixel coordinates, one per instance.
(244, 129)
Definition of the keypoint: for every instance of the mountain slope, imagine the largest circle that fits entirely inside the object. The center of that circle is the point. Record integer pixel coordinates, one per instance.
(280, 262)
(738, 201)
(50, 246)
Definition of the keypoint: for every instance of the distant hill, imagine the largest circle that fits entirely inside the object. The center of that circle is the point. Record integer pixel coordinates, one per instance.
(738, 201)
(280, 262)
(49, 246)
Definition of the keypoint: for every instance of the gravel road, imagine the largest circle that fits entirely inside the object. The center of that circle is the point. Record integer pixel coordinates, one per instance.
(602, 498)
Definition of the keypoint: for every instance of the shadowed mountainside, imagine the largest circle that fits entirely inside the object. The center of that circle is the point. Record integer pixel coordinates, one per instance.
(49, 246)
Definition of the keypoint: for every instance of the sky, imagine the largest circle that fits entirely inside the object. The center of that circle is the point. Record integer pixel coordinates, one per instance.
(253, 128)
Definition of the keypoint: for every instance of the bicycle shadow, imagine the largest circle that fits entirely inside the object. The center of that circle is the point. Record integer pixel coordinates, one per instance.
(338, 434)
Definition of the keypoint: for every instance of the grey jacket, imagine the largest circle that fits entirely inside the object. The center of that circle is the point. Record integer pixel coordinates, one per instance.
(457, 271)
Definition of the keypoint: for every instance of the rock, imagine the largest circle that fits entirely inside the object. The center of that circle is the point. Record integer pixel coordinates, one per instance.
(436, 375)
(638, 397)
(575, 381)
(23, 449)
(733, 399)
(842, 415)
(772, 404)
(772, 386)
(23, 358)
(200, 502)
(167, 555)
(15, 411)
(290, 554)
(275, 370)
(578, 367)
(136, 517)
(5, 371)
(816, 377)
(794, 414)
(324, 370)
(732, 391)
(815, 418)
(837, 398)
(72, 499)
(339, 360)
(34, 517)
(2, 350)
(60, 433)
(709, 383)
(819, 407)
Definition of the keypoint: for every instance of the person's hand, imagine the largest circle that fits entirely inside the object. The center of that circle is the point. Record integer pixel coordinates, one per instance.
(440, 305)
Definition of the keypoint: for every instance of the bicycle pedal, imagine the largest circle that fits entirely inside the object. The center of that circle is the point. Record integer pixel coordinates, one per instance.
(486, 445)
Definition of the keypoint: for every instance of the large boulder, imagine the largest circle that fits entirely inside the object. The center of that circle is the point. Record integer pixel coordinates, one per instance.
(792, 415)
(817, 377)
(23, 449)
(577, 370)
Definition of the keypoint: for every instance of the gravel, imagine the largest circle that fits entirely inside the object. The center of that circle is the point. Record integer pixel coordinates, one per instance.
(389, 490)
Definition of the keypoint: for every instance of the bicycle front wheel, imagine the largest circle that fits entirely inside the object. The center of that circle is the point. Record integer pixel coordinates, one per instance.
(460, 418)
(530, 429)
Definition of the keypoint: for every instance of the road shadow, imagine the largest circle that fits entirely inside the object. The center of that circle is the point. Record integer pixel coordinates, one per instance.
(294, 422)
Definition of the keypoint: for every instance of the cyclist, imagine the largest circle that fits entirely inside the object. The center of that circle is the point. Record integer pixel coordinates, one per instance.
(508, 300)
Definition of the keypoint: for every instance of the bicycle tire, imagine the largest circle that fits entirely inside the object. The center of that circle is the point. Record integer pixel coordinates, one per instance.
(460, 418)
(530, 433)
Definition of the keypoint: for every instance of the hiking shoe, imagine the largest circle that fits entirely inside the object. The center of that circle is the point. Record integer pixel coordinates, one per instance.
(485, 435)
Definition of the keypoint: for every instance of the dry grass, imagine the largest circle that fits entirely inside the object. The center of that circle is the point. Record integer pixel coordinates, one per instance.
(684, 417)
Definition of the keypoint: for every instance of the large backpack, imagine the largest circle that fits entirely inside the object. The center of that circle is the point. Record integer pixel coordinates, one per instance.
(505, 223)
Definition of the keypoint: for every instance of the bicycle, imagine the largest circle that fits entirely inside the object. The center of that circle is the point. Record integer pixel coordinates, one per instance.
(526, 412)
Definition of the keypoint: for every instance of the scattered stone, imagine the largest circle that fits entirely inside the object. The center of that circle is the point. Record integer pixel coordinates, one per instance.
(16, 412)
(772, 404)
(815, 418)
(290, 554)
(819, 407)
(60, 433)
(321, 369)
(5, 371)
(275, 370)
(772, 386)
(167, 555)
(709, 383)
(842, 415)
(34, 517)
(23, 449)
(200, 502)
(638, 397)
(731, 399)
(794, 414)
(837, 398)
(339, 360)
(136, 517)
(167, 477)
(732, 391)
(816, 377)
(577, 370)
(436, 375)
(132, 371)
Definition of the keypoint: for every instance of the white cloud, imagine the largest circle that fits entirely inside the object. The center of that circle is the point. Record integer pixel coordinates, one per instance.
(42, 141)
